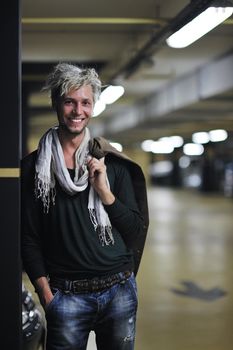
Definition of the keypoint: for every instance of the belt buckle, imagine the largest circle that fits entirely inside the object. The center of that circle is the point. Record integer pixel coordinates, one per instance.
(80, 286)
(127, 274)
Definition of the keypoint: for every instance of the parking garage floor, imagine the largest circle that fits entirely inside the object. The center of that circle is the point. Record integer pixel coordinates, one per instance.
(185, 280)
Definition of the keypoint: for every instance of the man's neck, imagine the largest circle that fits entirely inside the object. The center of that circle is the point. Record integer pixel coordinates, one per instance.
(69, 144)
(69, 140)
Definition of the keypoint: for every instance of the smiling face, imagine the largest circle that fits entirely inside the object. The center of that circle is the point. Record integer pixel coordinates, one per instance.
(75, 110)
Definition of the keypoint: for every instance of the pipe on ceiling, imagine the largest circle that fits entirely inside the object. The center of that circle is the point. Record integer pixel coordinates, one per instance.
(191, 10)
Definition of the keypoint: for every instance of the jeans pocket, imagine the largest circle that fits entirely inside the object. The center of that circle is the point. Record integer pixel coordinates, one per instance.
(133, 286)
(56, 293)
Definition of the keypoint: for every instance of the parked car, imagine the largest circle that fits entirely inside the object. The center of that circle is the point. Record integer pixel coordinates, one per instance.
(32, 323)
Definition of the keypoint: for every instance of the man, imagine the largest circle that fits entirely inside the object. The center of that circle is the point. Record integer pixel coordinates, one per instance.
(84, 221)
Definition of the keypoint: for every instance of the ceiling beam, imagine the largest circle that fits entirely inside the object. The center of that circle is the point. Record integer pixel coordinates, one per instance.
(214, 78)
(93, 20)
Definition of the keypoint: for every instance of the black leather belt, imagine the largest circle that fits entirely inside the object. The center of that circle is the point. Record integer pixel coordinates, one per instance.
(96, 284)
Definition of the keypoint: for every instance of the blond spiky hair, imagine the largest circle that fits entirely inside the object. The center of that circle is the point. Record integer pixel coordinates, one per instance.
(66, 77)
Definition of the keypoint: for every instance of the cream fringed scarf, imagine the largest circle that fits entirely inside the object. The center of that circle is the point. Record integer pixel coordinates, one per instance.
(50, 163)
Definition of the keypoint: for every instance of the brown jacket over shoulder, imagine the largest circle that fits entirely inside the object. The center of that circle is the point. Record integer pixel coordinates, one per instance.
(100, 147)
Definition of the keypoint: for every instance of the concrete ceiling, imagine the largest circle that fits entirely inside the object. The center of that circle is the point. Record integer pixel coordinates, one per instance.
(167, 91)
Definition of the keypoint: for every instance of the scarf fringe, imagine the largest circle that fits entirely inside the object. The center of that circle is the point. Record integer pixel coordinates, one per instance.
(46, 193)
(93, 218)
(104, 232)
(105, 235)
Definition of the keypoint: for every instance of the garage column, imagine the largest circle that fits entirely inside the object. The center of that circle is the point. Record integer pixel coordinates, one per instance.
(10, 265)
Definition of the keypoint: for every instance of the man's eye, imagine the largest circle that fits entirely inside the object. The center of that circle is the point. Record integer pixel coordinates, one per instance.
(86, 103)
(67, 102)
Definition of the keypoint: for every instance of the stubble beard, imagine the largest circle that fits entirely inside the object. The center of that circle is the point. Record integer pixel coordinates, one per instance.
(69, 132)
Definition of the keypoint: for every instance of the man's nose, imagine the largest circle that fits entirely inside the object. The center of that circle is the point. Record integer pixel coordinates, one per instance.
(77, 109)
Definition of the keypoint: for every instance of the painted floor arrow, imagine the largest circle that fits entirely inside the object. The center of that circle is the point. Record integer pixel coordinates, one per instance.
(192, 290)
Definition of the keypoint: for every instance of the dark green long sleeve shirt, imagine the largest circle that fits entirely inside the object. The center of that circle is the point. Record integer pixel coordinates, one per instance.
(63, 242)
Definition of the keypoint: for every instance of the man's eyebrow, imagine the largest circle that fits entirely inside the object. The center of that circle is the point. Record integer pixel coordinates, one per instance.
(73, 99)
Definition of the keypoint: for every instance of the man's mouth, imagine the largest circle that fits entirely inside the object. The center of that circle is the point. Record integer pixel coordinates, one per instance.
(76, 120)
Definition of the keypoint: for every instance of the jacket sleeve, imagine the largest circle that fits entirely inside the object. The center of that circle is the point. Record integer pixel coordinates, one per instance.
(31, 249)
(124, 213)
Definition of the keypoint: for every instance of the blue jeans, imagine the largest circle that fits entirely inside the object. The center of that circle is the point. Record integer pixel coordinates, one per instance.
(111, 314)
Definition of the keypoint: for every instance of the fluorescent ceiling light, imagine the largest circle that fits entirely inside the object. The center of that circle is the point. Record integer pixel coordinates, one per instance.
(161, 168)
(201, 137)
(199, 26)
(177, 141)
(218, 135)
(107, 96)
(146, 145)
(164, 144)
(193, 149)
(111, 94)
(161, 147)
(99, 108)
(184, 162)
(174, 141)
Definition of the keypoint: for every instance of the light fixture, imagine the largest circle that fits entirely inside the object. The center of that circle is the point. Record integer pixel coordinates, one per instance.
(200, 137)
(111, 94)
(177, 141)
(146, 145)
(161, 168)
(174, 141)
(107, 96)
(99, 108)
(184, 162)
(210, 18)
(193, 149)
(161, 147)
(218, 135)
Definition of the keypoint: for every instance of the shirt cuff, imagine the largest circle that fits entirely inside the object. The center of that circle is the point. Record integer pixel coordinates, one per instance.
(115, 209)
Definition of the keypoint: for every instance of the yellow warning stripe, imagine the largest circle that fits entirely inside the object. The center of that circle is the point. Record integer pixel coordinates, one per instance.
(9, 172)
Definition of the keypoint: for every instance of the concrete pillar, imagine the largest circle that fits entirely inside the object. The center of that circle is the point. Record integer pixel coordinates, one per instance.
(10, 265)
